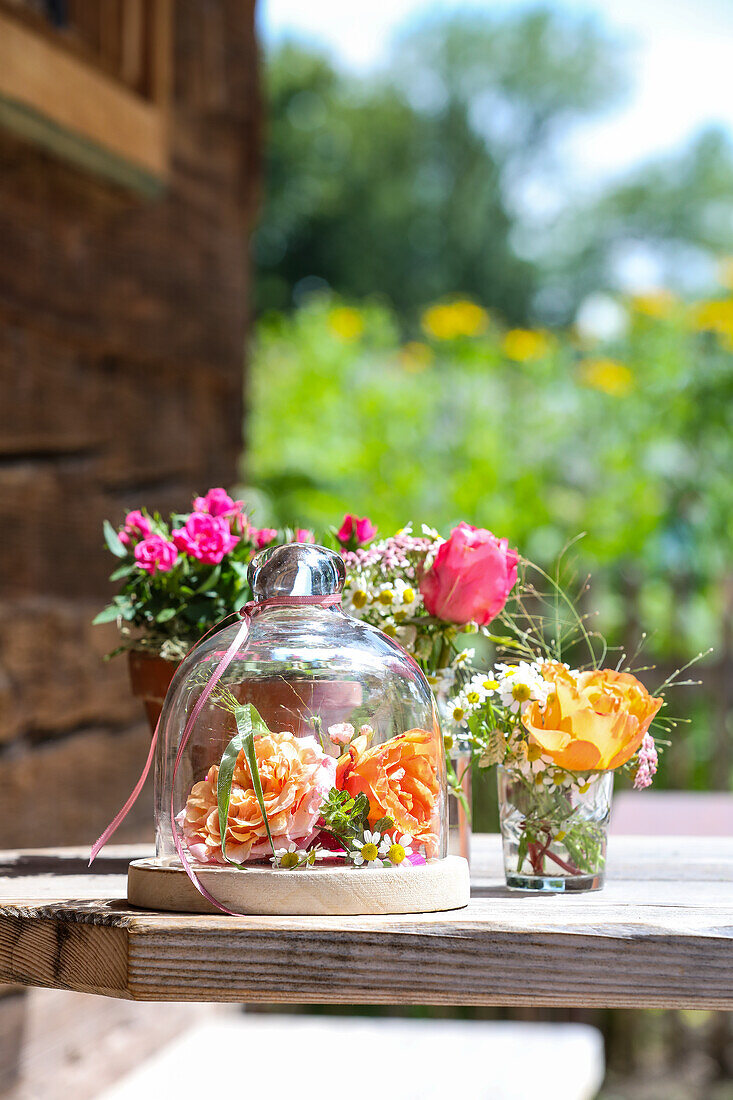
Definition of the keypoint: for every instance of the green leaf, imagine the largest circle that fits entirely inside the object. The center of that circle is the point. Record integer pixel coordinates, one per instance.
(383, 825)
(493, 750)
(210, 582)
(522, 850)
(166, 615)
(123, 571)
(113, 540)
(108, 615)
(249, 722)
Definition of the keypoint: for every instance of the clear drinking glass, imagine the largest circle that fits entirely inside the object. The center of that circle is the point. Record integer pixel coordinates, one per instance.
(554, 838)
(460, 808)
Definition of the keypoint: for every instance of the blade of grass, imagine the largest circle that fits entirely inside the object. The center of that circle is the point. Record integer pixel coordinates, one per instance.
(249, 724)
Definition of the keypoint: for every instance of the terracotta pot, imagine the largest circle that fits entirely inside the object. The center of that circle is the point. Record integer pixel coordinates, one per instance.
(150, 677)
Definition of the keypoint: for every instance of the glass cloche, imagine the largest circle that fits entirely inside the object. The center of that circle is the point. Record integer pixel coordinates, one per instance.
(320, 720)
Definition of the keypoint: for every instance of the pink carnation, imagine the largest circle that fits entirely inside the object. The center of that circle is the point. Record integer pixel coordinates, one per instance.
(304, 535)
(471, 577)
(217, 502)
(156, 555)
(137, 526)
(206, 538)
(263, 536)
(355, 532)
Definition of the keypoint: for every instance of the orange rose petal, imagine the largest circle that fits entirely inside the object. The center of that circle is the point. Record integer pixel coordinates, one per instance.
(596, 723)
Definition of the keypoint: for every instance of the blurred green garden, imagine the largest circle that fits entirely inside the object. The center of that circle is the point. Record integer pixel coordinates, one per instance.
(428, 346)
(539, 436)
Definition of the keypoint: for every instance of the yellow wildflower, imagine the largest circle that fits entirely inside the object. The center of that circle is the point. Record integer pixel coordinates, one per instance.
(346, 322)
(657, 304)
(607, 375)
(449, 320)
(522, 344)
(715, 316)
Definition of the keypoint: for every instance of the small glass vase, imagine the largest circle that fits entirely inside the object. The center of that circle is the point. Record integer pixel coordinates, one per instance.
(460, 808)
(554, 838)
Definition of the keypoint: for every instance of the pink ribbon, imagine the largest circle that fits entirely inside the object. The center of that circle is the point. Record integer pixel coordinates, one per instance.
(247, 613)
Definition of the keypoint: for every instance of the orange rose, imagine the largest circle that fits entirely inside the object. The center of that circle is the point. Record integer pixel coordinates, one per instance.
(296, 776)
(594, 721)
(401, 780)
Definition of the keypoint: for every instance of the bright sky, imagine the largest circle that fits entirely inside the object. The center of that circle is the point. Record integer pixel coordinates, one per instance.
(681, 62)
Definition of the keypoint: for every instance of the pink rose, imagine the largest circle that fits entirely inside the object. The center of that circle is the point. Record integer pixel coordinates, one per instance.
(217, 502)
(156, 555)
(341, 733)
(262, 537)
(471, 577)
(137, 526)
(206, 538)
(355, 532)
(304, 535)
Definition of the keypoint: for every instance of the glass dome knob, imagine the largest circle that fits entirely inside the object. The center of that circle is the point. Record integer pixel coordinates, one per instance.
(296, 569)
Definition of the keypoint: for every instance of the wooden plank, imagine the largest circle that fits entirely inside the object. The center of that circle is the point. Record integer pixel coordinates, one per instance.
(42, 83)
(654, 942)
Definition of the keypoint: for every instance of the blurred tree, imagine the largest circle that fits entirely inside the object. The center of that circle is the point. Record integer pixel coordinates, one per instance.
(400, 184)
(674, 213)
(440, 174)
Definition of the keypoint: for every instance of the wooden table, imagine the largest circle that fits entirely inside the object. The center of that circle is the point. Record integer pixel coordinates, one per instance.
(659, 935)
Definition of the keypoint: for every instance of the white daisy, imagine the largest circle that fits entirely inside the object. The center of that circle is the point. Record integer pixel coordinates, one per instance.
(395, 850)
(407, 599)
(368, 852)
(385, 596)
(357, 596)
(289, 857)
(519, 685)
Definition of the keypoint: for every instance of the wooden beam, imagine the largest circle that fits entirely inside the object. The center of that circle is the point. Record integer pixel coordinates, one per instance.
(52, 97)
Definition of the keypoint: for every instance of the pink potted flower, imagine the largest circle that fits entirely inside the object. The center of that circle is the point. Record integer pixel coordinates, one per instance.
(355, 532)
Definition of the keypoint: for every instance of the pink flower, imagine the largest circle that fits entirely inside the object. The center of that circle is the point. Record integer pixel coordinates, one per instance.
(263, 537)
(217, 502)
(206, 538)
(304, 535)
(156, 555)
(415, 859)
(137, 526)
(471, 577)
(341, 733)
(355, 532)
(648, 760)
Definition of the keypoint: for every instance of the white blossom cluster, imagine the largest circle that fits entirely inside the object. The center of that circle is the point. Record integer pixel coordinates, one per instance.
(511, 688)
(382, 582)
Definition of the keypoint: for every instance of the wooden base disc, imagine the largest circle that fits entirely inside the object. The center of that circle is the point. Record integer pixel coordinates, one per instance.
(318, 891)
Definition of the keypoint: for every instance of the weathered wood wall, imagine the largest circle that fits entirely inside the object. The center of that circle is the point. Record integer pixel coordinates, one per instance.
(122, 324)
